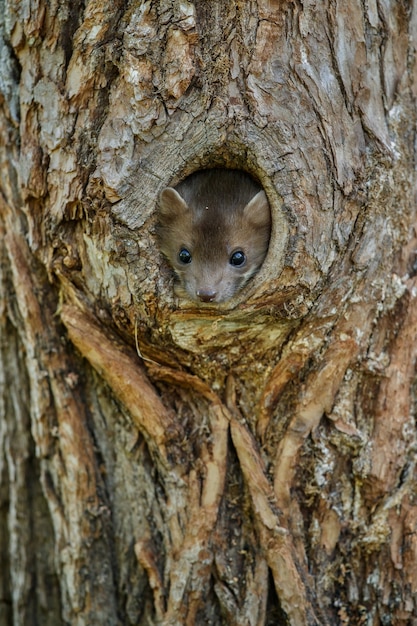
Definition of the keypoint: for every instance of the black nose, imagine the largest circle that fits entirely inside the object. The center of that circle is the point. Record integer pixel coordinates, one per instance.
(206, 295)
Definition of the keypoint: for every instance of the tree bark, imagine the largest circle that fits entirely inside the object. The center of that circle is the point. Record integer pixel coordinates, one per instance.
(248, 463)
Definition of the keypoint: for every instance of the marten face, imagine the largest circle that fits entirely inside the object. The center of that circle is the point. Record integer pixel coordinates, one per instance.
(214, 241)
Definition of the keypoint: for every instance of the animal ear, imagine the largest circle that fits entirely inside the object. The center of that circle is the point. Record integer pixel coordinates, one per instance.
(171, 205)
(257, 211)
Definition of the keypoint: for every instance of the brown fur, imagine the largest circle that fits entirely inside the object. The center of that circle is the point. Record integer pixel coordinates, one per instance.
(213, 213)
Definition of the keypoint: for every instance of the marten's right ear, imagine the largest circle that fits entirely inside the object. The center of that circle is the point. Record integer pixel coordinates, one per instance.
(171, 205)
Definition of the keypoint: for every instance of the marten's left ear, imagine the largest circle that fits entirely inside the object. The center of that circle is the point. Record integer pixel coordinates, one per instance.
(171, 205)
(257, 211)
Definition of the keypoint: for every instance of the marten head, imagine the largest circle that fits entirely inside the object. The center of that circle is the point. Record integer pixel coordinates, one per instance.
(214, 229)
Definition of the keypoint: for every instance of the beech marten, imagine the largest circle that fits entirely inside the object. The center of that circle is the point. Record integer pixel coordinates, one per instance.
(214, 229)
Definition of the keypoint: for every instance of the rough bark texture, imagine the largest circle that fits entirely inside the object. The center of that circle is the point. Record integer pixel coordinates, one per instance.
(166, 464)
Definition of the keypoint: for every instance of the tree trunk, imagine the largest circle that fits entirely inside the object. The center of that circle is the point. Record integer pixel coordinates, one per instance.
(166, 463)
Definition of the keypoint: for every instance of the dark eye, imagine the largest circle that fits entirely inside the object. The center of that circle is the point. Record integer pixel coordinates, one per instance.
(184, 256)
(238, 258)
